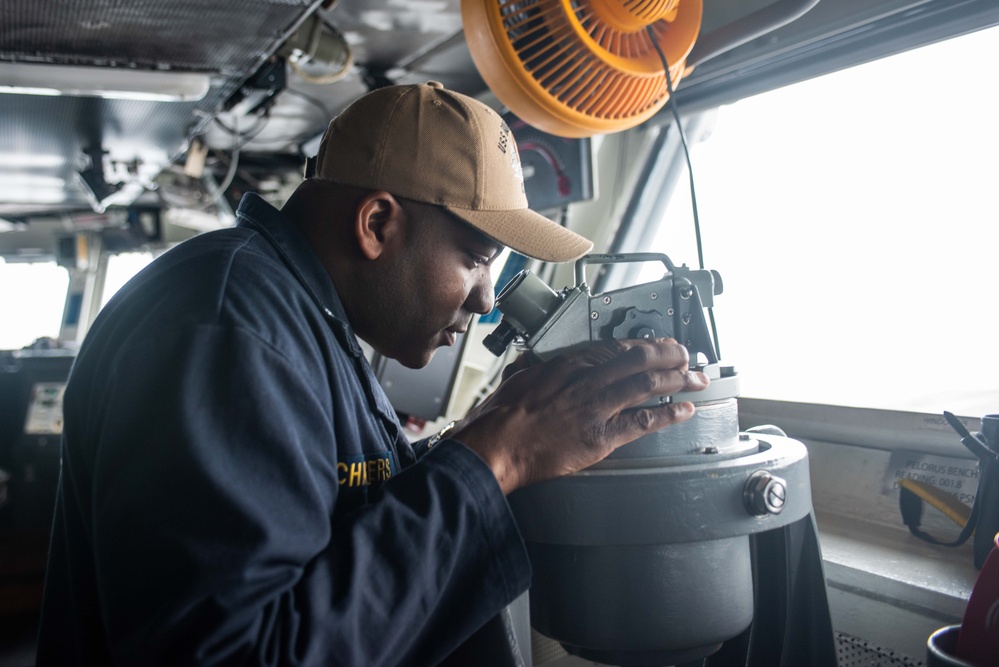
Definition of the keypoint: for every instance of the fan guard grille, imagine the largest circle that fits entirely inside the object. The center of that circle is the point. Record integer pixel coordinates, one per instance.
(580, 67)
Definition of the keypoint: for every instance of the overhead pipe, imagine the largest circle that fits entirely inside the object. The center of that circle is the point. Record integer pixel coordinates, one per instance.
(763, 21)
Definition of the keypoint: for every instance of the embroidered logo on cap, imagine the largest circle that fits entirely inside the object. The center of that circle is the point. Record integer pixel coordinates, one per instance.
(518, 171)
(506, 142)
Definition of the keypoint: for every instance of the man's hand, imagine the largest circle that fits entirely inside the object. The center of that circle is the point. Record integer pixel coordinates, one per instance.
(568, 413)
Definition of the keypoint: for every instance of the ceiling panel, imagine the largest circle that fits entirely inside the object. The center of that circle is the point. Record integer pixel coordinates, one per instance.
(225, 39)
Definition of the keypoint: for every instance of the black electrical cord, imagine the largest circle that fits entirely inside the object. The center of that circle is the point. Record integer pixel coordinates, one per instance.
(240, 140)
(690, 173)
(257, 124)
(243, 138)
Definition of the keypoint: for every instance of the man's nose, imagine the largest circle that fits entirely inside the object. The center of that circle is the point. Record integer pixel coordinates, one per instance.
(481, 299)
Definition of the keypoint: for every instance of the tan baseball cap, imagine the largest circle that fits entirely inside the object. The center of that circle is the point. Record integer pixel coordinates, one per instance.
(432, 145)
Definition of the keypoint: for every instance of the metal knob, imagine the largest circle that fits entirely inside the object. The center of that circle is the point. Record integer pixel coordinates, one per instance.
(764, 493)
(501, 337)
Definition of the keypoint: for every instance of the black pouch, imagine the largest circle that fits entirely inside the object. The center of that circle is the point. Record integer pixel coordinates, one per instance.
(983, 521)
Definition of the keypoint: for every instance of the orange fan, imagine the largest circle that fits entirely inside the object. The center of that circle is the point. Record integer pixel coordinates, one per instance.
(575, 68)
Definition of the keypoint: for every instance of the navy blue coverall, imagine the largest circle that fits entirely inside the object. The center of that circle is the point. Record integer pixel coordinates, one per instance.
(236, 488)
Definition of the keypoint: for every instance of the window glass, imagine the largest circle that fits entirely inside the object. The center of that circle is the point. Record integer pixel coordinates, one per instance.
(121, 268)
(32, 296)
(855, 221)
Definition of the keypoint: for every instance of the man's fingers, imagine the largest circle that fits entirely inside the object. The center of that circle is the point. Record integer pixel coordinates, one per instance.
(630, 425)
(612, 376)
(618, 359)
(622, 374)
(640, 387)
(606, 362)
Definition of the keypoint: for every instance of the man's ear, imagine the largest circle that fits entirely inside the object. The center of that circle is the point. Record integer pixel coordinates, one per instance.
(379, 224)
